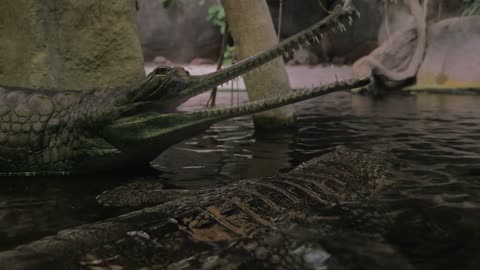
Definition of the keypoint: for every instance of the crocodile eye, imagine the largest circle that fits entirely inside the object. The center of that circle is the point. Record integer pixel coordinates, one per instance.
(162, 71)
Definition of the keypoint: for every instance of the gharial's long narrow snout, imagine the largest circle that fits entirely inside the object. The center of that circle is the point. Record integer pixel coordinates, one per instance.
(163, 130)
(99, 130)
(336, 21)
(169, 87)
(149, 132)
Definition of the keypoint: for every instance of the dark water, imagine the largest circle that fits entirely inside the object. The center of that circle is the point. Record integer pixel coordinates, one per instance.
(437, 137)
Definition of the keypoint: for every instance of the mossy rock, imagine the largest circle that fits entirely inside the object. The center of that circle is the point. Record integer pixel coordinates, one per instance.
(69, 44)
(452, 61)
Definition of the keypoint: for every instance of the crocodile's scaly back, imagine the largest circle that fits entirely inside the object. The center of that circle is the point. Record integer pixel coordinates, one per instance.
(39, 130)
(220, 222)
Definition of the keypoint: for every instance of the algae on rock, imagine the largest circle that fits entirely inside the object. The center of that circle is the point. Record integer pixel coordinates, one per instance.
(69, 44)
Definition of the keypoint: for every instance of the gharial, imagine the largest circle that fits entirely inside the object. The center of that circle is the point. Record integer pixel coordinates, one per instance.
(67, 132)
(287, 221)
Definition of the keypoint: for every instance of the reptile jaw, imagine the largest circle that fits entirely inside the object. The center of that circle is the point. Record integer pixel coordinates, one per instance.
(341, 16)
(154, 126)
(169, 87)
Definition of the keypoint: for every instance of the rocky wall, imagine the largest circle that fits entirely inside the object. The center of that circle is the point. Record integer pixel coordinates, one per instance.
(181, 32)
(452, 60)
(69, 44)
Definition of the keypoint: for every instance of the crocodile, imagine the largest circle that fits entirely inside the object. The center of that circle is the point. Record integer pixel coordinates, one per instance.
(50, 132)
(287, 221)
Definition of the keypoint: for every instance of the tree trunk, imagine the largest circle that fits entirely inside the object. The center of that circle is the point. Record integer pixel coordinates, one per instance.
(253, 31)
(69, 44)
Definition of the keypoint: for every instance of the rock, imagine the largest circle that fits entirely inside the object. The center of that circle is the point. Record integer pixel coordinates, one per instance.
(180, 32)
(396, 18)
(396, 15)
(393, 57)
(396, 62)
(439, 10)
(69, 44)
(452, 60)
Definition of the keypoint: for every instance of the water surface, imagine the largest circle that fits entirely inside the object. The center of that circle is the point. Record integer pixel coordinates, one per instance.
(436, 137)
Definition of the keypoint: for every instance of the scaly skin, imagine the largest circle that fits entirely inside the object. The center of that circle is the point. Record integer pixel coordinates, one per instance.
(247, 223)
(52, 132)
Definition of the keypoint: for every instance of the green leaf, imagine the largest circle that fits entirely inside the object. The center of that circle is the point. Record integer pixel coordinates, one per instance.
(216, 15)
(228, 55)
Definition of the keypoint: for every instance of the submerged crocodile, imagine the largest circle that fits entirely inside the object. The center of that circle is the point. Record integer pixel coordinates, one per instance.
(247, 224)
(63, 132)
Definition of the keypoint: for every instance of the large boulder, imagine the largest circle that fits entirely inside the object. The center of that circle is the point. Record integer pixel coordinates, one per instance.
(397, 16)
(180, 32)
(452, 60)
(69, 44)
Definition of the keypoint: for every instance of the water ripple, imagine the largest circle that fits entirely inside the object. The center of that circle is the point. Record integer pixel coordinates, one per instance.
(436, 137)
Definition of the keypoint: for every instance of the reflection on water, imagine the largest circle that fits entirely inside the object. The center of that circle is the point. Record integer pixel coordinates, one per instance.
(31, 208)
(437, 137)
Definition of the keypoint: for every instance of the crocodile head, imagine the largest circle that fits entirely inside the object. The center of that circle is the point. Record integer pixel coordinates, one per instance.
(142, 136)
(111, 129)
(166, 88)
(159, 125)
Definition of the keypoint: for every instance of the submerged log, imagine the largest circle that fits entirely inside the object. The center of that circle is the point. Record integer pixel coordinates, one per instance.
(257, 223)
